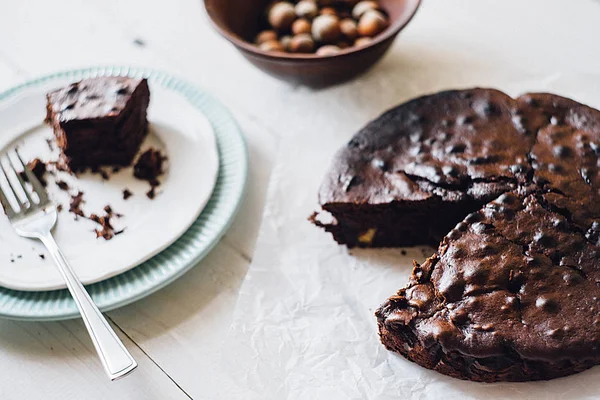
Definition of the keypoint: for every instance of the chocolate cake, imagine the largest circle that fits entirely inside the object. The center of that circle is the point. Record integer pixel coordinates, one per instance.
(510, 187)
(99, 121)
(510, 295)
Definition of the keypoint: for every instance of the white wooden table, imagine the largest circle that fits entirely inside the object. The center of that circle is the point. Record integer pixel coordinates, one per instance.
(176, 333)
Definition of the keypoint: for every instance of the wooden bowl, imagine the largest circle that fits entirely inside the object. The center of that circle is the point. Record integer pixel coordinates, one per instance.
(240, 20)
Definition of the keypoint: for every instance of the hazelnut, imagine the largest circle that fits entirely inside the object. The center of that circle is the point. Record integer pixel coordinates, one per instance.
(301, 26)
(282, 15)
(343, 45)
(372, 23)
(326, 3)
(265, 36)
(363, 41)
(286, 42)
(326, 28)
(348, 28)
(307, 9)
(272, 45)
(362, 7)
(328, 50)
(302, 43)
(328, 11)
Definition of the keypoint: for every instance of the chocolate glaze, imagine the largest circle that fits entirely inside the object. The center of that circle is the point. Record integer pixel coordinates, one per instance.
(512, 292)
(447, 154)
(94, 98)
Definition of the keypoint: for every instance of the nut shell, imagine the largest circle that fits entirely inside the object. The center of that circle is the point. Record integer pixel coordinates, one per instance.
(372, 23)
(272, 45)
(362, 7)
(348, 3)
(286, 42)
(265, 36)
(363, 41)
(326, 29)
(301, 26)
(307, 9)
(328, 50)
(302, 43)
(349, 28)
(282, 15)
(328, 11)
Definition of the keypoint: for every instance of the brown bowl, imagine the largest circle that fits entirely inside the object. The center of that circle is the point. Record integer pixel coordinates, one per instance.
(240, 20)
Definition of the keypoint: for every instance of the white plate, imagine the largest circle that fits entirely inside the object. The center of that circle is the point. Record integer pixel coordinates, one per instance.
(180, 130)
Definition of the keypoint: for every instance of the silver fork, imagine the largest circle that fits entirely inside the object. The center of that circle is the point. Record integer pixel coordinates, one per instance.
(34, 218)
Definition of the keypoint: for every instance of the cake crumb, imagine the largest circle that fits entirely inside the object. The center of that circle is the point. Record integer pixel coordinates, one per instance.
(39, 169)
(61, 165)
(75, 206)
(127, 194)
(149, 166)
(62, 185)
(107, 231)
(151, 193)
(43, 257)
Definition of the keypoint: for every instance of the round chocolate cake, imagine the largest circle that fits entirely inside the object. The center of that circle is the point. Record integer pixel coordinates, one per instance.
(510, 189)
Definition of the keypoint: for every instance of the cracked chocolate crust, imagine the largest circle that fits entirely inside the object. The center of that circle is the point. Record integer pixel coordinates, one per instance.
(513, 291)
(411, 175)
(511, 295)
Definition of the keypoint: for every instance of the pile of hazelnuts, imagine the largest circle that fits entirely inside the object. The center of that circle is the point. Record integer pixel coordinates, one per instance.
(324, 27)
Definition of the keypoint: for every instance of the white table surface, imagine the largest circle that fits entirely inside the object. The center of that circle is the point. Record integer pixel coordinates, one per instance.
(176, 333)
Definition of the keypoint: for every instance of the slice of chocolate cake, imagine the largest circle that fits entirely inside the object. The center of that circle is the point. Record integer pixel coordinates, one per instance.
(99, 121)
(511, 295)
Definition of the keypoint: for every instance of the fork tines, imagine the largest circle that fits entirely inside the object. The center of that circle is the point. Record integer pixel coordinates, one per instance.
(15, 195)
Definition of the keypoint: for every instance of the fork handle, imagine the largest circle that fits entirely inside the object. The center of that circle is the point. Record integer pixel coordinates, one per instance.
(115, 358)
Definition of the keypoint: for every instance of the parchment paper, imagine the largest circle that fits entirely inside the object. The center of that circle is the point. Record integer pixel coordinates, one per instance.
(304, 326)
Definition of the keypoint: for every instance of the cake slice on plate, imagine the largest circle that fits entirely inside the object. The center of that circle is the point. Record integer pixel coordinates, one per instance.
(99, 121)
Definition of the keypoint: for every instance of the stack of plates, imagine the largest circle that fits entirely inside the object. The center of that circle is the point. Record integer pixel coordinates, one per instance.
(163, 238)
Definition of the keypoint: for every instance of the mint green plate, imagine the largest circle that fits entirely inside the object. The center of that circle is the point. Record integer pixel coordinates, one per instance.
(182, 255)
